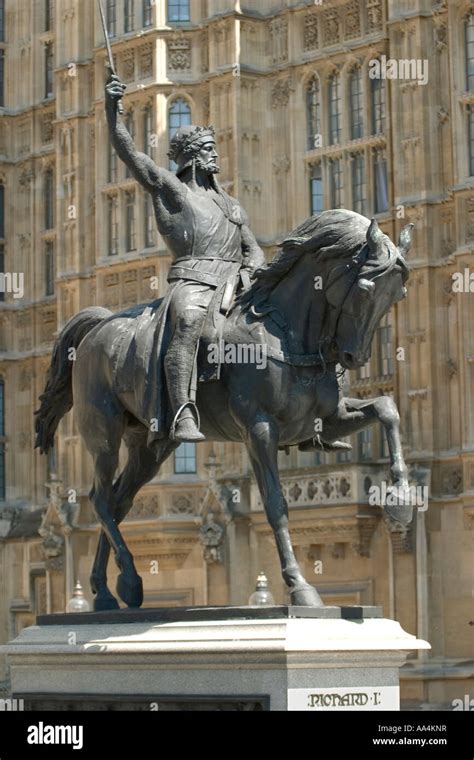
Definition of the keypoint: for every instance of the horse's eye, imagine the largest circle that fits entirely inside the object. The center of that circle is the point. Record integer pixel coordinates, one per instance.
(366, 286)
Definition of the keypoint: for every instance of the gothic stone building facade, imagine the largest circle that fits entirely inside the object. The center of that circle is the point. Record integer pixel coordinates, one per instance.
(302, 125)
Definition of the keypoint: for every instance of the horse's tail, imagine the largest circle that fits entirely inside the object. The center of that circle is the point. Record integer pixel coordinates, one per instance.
(56, 400)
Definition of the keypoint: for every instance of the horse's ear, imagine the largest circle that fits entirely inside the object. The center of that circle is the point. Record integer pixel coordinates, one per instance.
(374, 239)
(404, 242)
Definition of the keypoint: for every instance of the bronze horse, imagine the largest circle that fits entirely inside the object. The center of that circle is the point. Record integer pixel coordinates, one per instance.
(315, 306)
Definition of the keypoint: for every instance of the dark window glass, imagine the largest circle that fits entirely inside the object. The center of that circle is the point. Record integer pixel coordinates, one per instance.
(469, 41)
(179, 116)
(49, 268)
(49, 200)
(48, 70)
(316, 188)
(185, 459)
(337, 183)
(364, 444)
(130, 221)
(129, 21)
(335, 109)
(48, 15)
(147, 12)
(380, 182)
(113, 226)
(359, 199)
(313, 113)
(378, 106)
(112, 168)
(343, 457)
(130, 124)
(150, 240)
(2, 78)
(357, 105)
(2, 443)
(2, 20)
(2, 212)
(2, 268)
(148, 130)
(471, 141)
(111, 16)
(178, 10)
(385, 347)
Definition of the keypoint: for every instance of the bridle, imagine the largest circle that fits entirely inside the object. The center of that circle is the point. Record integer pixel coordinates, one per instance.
(318, 359)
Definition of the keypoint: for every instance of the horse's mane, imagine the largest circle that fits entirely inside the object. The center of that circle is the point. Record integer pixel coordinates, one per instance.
(338, 233)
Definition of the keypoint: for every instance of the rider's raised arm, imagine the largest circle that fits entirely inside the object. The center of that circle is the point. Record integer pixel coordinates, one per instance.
(142, 167)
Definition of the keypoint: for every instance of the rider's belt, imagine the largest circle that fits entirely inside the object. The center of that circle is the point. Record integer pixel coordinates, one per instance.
(185, 273)
(236, 258)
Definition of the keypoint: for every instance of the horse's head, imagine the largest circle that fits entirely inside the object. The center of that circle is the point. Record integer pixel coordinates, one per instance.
(361, 292)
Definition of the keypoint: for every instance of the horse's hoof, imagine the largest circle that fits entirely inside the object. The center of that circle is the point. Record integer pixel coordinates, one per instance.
(402, 513)
(103, 603)
(130, 590)
(398, 505)
(305, 596)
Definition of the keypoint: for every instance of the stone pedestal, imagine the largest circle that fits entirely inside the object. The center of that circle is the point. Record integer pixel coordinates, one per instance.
(279, 658)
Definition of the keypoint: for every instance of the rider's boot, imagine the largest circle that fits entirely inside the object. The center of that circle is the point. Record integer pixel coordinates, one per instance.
(179, 367)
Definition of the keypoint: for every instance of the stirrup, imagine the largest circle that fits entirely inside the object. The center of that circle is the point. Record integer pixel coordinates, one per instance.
(178, 414)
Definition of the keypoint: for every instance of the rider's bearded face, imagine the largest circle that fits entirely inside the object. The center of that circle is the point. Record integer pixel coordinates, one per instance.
(207, 158)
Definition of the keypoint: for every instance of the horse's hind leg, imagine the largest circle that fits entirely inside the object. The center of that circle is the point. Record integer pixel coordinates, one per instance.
(141, 467)
(102, 432)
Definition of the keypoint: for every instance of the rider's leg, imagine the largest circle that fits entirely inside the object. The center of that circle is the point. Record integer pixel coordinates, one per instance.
(187, 313)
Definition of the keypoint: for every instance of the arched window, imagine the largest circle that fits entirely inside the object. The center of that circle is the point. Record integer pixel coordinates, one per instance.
(378, 106)
(334, 94)
(356, 104)
(313, 112)
(469, 43)
(179, 115)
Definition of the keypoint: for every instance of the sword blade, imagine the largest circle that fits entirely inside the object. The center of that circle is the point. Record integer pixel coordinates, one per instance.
(109, 49)
(106, 35)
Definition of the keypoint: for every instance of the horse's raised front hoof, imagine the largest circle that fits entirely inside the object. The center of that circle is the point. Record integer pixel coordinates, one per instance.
(130, 589)
(305, 596)
(402, 513)
(103, 603)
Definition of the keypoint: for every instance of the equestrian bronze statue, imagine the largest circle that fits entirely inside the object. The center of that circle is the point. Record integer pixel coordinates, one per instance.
(147, 375)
